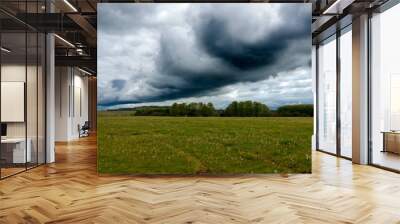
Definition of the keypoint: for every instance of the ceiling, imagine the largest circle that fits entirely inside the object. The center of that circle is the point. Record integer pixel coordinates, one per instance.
(75, 22)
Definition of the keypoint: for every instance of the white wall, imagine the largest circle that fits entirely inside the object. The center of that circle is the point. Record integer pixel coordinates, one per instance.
(62, 82)
(71, 94)
(79, 110)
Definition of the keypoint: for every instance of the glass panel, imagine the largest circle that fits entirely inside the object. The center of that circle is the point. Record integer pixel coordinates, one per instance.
(314, 86)
(41, 98)
(23, 90)
(327, 96)
(13, 88)
(386, 89)
(346, 94)
(32, 89)
(31, 98)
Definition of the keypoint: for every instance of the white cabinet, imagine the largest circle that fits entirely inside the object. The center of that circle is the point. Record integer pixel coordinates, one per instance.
(19, 155)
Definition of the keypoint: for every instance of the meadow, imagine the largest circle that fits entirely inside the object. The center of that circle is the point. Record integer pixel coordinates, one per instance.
(130, 144)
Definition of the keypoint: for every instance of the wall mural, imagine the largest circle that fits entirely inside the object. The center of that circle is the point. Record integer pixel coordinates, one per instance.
(192, 89)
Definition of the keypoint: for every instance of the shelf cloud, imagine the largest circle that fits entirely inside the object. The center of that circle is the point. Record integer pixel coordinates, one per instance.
(153, 54)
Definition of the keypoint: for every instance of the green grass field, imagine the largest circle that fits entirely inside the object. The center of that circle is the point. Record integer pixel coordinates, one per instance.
(193, 145)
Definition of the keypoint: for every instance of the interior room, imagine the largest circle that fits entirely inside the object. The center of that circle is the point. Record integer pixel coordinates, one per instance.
(48, 121)
(46, 86)
(385, 89)
(22, 99)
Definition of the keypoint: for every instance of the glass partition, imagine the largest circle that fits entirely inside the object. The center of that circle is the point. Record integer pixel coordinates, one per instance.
(22, 107)
(31, 99)
(14, 153)
(327, 95)
(346, 93)
(385, 89)
(41, 97)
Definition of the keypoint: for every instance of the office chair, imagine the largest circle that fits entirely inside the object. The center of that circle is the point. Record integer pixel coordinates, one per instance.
(84, 130)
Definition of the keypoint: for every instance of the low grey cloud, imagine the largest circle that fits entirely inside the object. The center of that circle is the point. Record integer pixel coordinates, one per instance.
(118, 83)
(158, 53)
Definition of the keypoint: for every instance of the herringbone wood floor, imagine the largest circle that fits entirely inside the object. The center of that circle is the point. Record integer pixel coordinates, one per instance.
(70, 191)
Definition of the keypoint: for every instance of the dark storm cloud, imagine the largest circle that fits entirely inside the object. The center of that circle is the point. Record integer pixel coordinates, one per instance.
(199, 49)
(218, 41)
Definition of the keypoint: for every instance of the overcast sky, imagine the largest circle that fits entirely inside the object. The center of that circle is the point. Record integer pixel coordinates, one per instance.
(157, 54)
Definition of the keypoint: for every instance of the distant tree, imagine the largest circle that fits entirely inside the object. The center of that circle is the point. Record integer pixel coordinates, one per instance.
(261, 110)
(151, 111)
(197, 109)
(211, 110)
(173, 111)
(241, 110)
(182, 109)
(191, 109)
(231, 109)
(237, 109)
(203, 109)
(246, 109)
(298, 110)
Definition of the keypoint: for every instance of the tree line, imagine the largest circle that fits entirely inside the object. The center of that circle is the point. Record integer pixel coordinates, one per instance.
(234, 109)
(246, 109)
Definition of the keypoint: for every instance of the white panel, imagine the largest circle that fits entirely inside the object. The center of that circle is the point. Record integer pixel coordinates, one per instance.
(395, 102)
(346, 94)
(327, 97)
(77, 112)
(12, 101)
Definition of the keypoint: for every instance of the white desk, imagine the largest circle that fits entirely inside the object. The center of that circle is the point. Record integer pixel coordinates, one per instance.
(19, 153)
